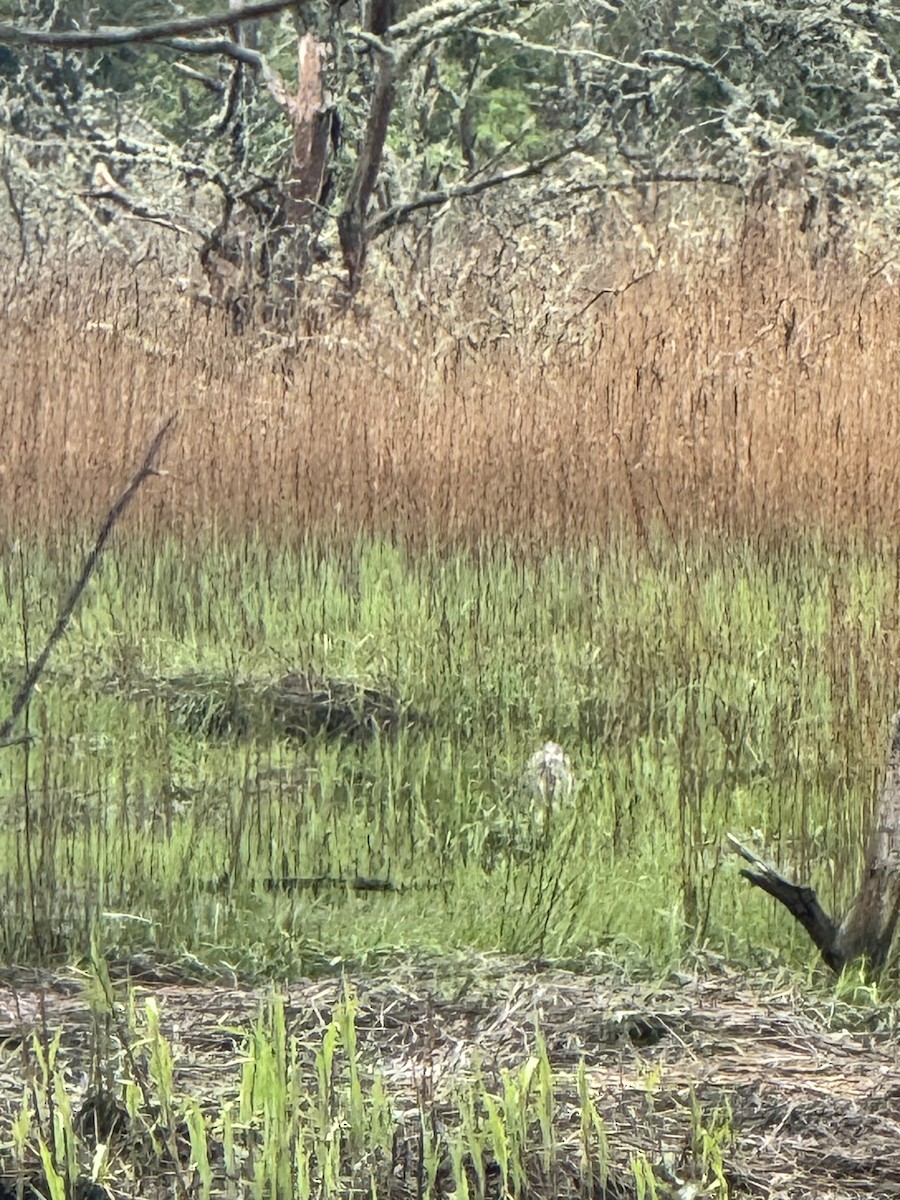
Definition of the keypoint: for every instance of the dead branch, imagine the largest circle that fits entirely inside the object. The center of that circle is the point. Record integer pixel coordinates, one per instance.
(221, 46)
(666, 58)
(440, 20)
(89, 39)
(212, 85)
(576, 53)
(867, 930)
(148, 467)
(399, 214)
(801, 902)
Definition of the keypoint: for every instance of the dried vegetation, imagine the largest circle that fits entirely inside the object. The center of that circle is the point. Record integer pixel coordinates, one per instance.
(487, 1077)
(747, 383)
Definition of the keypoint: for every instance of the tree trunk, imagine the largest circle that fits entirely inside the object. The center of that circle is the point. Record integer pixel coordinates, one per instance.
(867, 930)
(352, 221)
(312, 118)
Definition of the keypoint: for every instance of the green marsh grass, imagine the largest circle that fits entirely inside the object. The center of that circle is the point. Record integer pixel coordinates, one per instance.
(698, 692)
(659, 531)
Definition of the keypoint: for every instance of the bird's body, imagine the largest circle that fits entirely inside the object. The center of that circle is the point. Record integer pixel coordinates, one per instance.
(549, 776)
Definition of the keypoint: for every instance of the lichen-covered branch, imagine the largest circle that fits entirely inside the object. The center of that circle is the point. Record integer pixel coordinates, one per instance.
(123, 35)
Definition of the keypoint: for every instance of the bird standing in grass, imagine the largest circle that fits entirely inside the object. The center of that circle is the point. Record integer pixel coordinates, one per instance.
(549, 776)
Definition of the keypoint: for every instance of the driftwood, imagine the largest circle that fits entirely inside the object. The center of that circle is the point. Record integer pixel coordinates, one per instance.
(867, 930)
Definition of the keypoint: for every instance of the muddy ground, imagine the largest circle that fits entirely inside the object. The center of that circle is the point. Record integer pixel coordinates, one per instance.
(813, 1086)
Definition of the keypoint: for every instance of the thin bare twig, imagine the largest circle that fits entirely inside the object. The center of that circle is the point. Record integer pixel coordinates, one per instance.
(16, 210)
(147, 468)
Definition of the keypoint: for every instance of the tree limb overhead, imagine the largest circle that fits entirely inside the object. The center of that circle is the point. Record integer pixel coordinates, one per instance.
(86, 39)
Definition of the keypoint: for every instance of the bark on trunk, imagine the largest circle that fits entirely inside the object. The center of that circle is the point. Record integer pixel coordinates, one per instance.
(312, 117)
(867, 930)
(352, 220)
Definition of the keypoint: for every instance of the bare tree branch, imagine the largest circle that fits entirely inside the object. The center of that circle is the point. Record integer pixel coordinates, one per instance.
(400, 213)
(666, 58)
(212, 85)
(574, 52)
(427, 17)
(86, 39)
(443, 19)
(801, 902)
(243, 54)
(148, 467)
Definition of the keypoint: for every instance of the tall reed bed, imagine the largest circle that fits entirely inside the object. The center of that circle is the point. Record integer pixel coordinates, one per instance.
(743, 386)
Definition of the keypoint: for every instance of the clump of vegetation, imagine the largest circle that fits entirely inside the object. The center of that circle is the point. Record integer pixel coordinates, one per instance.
(297, 706)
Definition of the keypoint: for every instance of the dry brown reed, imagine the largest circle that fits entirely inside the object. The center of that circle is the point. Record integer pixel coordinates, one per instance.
(743, 384)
